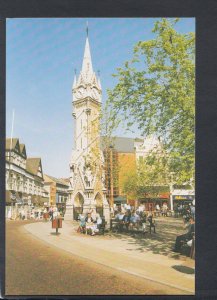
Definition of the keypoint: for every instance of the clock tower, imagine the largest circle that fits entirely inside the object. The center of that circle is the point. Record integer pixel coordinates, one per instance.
(87, 190)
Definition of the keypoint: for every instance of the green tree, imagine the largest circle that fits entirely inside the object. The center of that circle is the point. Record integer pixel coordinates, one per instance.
(156, 90)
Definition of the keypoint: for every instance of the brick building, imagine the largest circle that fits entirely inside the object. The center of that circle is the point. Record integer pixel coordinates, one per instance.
(57, 190)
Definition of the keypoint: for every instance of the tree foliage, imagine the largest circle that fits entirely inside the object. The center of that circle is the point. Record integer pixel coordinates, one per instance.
(150, 177)
(156, 90)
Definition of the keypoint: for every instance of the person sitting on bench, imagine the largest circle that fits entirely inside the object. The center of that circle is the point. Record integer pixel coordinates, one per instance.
(126, 219)
(134, 221)
(119, 218)
(82, 223)
(101, 224)
(185, 237)
(98, 221)
(90, 226)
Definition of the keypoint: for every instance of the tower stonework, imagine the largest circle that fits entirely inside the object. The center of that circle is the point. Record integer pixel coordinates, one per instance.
(87, 179)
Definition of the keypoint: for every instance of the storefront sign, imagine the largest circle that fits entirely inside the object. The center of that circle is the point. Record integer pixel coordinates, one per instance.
(185, 197)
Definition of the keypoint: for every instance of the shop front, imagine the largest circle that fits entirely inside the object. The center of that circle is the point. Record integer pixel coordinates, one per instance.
(150, 201)
(183, 199)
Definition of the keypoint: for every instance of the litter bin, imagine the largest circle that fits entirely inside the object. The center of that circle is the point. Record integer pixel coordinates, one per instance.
(57, 223)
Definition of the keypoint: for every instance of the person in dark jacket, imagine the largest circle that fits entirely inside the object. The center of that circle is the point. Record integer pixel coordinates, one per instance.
(185, 237)
(126, 219)
(151, 222)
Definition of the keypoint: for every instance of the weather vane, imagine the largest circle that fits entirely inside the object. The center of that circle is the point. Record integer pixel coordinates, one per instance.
(87, 28)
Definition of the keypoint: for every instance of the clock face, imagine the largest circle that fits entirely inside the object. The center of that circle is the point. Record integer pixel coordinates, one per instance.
(79, 92)
(95, 93)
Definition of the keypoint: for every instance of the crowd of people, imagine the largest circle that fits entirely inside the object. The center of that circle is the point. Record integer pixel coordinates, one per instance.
(184, 210)
(125, 218)
(158, 210)
(128, 218)
(34, 213)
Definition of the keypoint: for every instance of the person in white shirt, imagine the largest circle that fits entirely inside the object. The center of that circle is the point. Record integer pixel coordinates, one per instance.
(55, 212)
(157, 207)
(98, 222)
(98, 219)
(127, 207)
(90, 226)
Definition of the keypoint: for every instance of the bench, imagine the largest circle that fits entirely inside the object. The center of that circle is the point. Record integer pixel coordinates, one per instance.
(117, 227)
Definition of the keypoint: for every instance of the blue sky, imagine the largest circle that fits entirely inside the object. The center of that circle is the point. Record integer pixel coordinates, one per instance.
(41, 55)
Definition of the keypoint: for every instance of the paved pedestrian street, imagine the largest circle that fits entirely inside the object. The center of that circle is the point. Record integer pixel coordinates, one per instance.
(39, 262)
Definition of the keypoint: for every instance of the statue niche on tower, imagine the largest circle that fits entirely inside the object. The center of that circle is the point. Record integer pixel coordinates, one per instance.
(72, 175)
(88, 171)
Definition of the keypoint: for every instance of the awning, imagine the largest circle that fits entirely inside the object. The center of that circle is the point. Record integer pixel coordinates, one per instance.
(160, 196)
(153, 199)
(157, 196)
(120, 199)
(164, 195)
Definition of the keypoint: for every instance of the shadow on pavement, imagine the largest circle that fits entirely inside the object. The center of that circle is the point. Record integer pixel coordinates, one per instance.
(162, 242)
(184, 269)
(54, 233)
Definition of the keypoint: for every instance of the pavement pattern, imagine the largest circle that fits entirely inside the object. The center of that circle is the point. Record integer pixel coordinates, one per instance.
(40, 263)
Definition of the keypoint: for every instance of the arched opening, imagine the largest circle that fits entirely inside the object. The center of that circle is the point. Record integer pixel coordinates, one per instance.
(99, 204)
(78, 205)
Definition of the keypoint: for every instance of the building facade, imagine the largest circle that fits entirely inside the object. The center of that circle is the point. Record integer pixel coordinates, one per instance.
(87, 189)
(58, 191)
(122, 157)
(24, 176)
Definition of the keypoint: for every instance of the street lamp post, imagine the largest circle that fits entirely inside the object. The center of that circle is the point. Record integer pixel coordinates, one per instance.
(171, 196)
(171, 190)
(111, 177)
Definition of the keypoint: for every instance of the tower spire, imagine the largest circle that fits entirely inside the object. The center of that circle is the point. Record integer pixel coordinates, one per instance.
(87, 68)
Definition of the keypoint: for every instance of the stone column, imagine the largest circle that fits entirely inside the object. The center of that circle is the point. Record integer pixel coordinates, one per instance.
(69, 208)
(89, 200)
